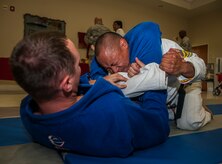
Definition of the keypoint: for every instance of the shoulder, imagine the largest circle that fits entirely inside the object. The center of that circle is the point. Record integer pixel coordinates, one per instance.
(167, 44)
(120, 31)
(145, 28)
(186, 39)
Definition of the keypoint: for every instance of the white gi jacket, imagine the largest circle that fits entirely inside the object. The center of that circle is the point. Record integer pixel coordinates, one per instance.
(151, 77)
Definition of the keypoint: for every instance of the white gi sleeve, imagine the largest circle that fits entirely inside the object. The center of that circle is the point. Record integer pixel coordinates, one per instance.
(151, 77)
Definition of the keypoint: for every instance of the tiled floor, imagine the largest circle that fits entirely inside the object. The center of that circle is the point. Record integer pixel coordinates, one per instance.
(209, 98)
(10, 94)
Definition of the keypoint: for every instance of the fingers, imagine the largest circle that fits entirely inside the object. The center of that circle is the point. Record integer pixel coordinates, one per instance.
(92, 82)
(166, 62)
(121, 86)
(117, 80)
(172, 62)
(173, 50)
(140, 63)
(134, 68)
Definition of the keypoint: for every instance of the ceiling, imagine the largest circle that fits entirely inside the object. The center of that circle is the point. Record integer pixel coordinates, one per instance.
(186, 8)
(189, 4)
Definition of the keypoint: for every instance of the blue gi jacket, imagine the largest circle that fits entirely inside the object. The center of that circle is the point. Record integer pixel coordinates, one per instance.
(102, 123)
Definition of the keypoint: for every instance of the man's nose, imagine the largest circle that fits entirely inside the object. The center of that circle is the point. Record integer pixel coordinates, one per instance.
(114, 69)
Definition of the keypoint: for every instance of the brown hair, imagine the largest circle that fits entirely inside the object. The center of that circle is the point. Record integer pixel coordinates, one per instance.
(39, 62)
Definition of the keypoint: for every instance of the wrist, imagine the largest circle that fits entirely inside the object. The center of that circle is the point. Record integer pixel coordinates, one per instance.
(188, 70)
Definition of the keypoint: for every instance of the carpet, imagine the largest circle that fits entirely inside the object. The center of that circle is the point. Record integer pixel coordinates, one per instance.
(215, 108)
(203, 146)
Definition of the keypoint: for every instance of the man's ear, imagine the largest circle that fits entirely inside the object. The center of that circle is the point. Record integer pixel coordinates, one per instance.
(67, 83)
(123, 43)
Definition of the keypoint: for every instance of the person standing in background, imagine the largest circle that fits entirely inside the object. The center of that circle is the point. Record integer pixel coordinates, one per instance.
(92, 35)
(184, 40)
(118, 27)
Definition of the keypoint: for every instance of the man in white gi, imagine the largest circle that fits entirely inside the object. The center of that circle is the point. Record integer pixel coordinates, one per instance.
(151, 77)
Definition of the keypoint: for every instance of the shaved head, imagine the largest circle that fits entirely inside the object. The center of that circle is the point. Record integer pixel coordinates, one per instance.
(112, 52)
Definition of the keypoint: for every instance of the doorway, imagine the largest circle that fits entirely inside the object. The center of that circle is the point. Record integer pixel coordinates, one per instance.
(202, 51)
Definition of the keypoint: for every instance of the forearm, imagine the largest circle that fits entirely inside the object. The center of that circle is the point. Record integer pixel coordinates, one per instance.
(187, 70)
(196, 71)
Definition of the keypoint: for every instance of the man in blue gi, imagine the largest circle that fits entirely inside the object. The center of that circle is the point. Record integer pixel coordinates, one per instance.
(117, 54)
(102, 122)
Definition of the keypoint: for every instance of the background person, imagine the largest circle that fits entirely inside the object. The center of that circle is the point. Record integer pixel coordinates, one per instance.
(118, 27)
(92, 35)
(184, 40)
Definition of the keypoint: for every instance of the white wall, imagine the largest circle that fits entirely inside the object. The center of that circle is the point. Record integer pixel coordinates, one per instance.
(207, 29)
(79, 15)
